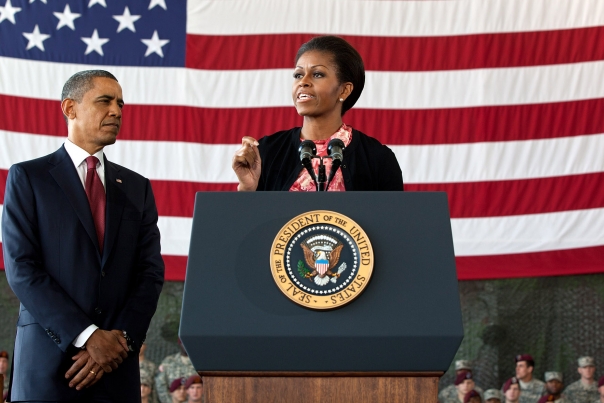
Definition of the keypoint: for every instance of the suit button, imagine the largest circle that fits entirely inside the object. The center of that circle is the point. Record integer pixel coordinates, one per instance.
(98, 311)
(103, 273)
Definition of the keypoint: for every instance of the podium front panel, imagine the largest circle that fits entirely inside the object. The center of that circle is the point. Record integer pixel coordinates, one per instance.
(234, 317)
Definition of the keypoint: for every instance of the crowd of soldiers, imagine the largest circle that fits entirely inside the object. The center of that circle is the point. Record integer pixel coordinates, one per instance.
(174, 381)
(524, 387)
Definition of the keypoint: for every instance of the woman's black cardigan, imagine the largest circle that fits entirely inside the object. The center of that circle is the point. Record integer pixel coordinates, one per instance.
(367, 164)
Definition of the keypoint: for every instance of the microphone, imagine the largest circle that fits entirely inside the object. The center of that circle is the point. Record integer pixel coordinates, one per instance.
(335, 149)
(307, 151)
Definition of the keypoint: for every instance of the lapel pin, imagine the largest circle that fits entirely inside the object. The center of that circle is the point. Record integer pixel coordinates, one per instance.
(118, 180)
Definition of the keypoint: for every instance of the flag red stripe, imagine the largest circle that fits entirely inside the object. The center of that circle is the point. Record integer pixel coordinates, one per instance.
(176, 266)
(514, 197)
(517, 197)
(552, 263)
(488, 50)
(413, 127)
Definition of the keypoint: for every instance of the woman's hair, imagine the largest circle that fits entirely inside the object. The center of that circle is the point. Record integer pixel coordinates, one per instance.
(348, 62)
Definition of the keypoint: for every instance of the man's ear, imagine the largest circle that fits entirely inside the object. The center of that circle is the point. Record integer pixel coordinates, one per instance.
(68, 107)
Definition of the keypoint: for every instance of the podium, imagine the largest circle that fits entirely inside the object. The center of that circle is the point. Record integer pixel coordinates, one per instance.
(251, 343)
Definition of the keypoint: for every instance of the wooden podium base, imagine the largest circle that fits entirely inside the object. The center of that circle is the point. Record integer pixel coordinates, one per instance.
(278, 387)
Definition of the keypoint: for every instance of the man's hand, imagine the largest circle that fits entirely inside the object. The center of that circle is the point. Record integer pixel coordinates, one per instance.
(107, 349)
(87, 372)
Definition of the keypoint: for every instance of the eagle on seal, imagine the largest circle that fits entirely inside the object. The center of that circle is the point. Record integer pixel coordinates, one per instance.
(322, 254)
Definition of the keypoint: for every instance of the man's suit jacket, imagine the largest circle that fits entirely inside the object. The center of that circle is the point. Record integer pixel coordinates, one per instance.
(64, 284)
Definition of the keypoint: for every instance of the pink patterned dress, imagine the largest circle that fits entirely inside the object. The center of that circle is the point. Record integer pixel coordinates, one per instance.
(304, 183)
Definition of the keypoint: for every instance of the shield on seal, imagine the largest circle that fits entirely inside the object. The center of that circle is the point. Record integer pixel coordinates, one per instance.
(322, 266)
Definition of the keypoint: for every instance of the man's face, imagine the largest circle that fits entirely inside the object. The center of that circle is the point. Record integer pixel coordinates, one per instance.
(587, 372)
(3, 365)
(513, 393)
(601, 390)
(466, 386)
(554, 386)
(523, 370)
(95, 121)
(475, 399)
(145, 390)
(195, 391)
(180, 394)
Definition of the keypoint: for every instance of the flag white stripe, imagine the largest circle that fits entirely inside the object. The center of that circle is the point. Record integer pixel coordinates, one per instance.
(471, 236)
(389, 18)
(473, 162)
(272, 88)
(528, 233)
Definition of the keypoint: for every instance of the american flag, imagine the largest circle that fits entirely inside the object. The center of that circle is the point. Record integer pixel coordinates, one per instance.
(497, 102)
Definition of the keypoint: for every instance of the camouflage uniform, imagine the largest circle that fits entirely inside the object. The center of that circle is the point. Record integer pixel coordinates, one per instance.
(449, 394)
(148, 369)
(172, 367)
(531, 392)
(576, 392)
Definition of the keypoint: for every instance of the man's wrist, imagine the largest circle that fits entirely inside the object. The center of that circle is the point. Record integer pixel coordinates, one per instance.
(129, 341)
(82, 338)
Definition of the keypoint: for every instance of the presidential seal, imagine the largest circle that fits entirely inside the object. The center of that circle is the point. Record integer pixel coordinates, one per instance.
(321, 260)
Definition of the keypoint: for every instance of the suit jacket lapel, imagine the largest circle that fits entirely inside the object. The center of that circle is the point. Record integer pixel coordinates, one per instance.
(67, 178)
(115, 205)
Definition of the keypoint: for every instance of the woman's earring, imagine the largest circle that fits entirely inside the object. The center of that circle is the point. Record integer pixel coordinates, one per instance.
(341, 99)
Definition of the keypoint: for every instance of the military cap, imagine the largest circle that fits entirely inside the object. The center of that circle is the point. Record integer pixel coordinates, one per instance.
(462, 376)
(470, 395)
(586, 362)
(547, 398)
(601, 381)
(462, 364)
(493, 394)
(551, 375)
(177, 383)
(3, 354)
(146, 379)
(512, 381)
(193, 379)
(524, 357)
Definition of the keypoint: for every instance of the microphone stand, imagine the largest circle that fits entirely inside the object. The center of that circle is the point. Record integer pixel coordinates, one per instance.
(322, 178)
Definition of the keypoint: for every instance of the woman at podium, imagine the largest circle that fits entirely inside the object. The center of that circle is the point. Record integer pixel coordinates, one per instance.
(328, 79)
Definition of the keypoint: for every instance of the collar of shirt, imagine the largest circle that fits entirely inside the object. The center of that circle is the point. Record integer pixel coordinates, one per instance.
(78, 156)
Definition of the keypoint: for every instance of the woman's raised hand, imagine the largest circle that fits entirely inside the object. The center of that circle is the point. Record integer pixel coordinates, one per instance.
(247, 164)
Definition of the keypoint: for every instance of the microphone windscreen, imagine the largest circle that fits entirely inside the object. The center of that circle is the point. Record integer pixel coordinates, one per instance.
(307, 150)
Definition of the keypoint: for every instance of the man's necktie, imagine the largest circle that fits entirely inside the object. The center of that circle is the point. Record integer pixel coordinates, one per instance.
(96, 197)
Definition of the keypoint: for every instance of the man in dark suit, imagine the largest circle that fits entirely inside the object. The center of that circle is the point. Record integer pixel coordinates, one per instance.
(82, 254)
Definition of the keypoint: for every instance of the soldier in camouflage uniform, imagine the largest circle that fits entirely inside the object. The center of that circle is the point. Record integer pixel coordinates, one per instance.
(148, 370)
(172, 367)
(511, 390)
(600, 391)
(531, 389)
(146, 388)
(553, 385)
(4, 368)
(585, 390)
(464, 383)
(450, 392)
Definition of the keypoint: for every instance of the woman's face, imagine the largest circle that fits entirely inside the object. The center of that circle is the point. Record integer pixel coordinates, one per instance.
(316, 90)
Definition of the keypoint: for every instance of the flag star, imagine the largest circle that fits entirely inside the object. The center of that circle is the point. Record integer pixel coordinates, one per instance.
(126, 20)
(31, 1)
(155, 44)
(8, 12)
(36, 39)
(95, 43)
(93, 2)
(161, 3)
(66, 18)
